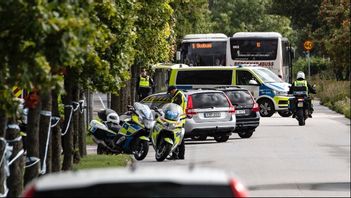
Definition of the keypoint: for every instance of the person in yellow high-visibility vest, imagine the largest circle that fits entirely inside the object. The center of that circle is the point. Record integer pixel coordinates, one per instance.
(302, 82)
(178, 98)
(144, 84)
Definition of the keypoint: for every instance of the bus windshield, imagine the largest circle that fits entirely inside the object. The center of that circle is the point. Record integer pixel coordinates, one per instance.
(253, 48)
(204, 53)
(267, 76)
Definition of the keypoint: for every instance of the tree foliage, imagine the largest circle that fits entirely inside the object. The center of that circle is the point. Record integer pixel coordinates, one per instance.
(334, 35)
(230, 17)
(191, 17)
(327, 23)
(153, 28)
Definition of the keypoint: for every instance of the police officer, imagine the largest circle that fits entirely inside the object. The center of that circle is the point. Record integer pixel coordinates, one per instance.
(178, 98)
(301, 82)
(144, 84)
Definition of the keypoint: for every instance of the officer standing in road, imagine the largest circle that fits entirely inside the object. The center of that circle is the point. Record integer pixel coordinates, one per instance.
(301, 82)
(178, 98)
(144, 84)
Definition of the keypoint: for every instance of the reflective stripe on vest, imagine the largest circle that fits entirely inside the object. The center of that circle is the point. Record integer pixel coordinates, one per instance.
(300, 83)
(144, 82)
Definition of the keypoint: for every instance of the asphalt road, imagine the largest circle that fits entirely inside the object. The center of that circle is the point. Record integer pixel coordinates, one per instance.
(281, 158)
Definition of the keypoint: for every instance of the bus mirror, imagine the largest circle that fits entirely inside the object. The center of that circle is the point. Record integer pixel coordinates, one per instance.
(178, 56)
(253, 82)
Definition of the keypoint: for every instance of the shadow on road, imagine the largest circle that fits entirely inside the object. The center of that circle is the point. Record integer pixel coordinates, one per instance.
(209, 141)
(328, 186)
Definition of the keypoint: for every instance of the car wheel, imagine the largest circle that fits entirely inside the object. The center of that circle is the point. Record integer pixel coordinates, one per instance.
(266, 108)
(222, 138)
(285, 113)
(245, 134)
(199, 137)
(141, 149)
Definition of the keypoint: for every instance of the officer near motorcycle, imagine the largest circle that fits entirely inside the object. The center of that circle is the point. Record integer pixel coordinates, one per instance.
(302, 82)
(178, 98)
(144, 84)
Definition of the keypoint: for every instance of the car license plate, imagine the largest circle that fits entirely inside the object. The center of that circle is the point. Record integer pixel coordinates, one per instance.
(300, 104)
(212, 115)
(240, 112)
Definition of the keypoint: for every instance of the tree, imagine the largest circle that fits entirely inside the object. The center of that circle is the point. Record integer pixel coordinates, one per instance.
(190, 17)
(230, 17)
(301, 12)
(334, 35)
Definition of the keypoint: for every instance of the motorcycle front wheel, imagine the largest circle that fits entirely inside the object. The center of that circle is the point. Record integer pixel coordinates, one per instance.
(163, 150)
(141, 148)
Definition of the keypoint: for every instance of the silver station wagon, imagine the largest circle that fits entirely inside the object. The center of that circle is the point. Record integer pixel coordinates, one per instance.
(210, 113)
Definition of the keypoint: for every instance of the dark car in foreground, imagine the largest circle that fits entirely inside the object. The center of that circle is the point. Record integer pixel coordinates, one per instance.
(138, 182)
(246, 110)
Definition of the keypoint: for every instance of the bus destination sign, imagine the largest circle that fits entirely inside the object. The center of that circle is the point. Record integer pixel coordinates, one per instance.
(201, 45)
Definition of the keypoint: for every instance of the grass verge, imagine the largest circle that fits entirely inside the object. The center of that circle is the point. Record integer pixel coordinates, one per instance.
(335, 95)
(89, 140)
(102, 161)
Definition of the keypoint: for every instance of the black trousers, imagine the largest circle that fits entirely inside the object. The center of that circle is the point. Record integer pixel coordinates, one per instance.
(143, 92)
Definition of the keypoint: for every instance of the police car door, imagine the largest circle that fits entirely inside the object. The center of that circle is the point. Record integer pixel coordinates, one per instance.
(244, 79)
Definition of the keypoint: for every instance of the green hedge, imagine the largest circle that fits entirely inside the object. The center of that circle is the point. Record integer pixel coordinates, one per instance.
(318, 65)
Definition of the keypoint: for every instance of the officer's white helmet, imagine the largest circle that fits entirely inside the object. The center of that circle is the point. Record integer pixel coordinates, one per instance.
(300, 74)
(112, 118)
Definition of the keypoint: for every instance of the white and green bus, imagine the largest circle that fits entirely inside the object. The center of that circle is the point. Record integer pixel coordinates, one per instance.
(266, 49)
(204, 49)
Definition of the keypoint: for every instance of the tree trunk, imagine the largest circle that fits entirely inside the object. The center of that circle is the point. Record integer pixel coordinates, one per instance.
(68, 137)
(82, 130)
(32, 142)
(75, 124)
(45, 116)
(15, 180)
(133, 86)
(89, 111)
(56, 136)
(116, 102)
(3, 122)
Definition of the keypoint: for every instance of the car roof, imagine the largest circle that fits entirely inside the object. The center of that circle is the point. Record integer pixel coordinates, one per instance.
(84, 178)
(231, 88)
(192, 91)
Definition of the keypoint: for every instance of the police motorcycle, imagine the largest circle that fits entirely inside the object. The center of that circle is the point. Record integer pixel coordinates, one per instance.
(299, 104)
(131, 137)
(168, 132)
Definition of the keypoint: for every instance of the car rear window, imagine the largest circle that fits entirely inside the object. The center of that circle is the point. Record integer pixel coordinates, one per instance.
(239, 97)
(209, 100)
(204, 77)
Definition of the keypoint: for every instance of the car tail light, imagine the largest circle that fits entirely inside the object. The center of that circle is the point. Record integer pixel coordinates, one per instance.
(29, 191)
(255, 107)
(189, 108)
(231, 107)
(238, 189)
